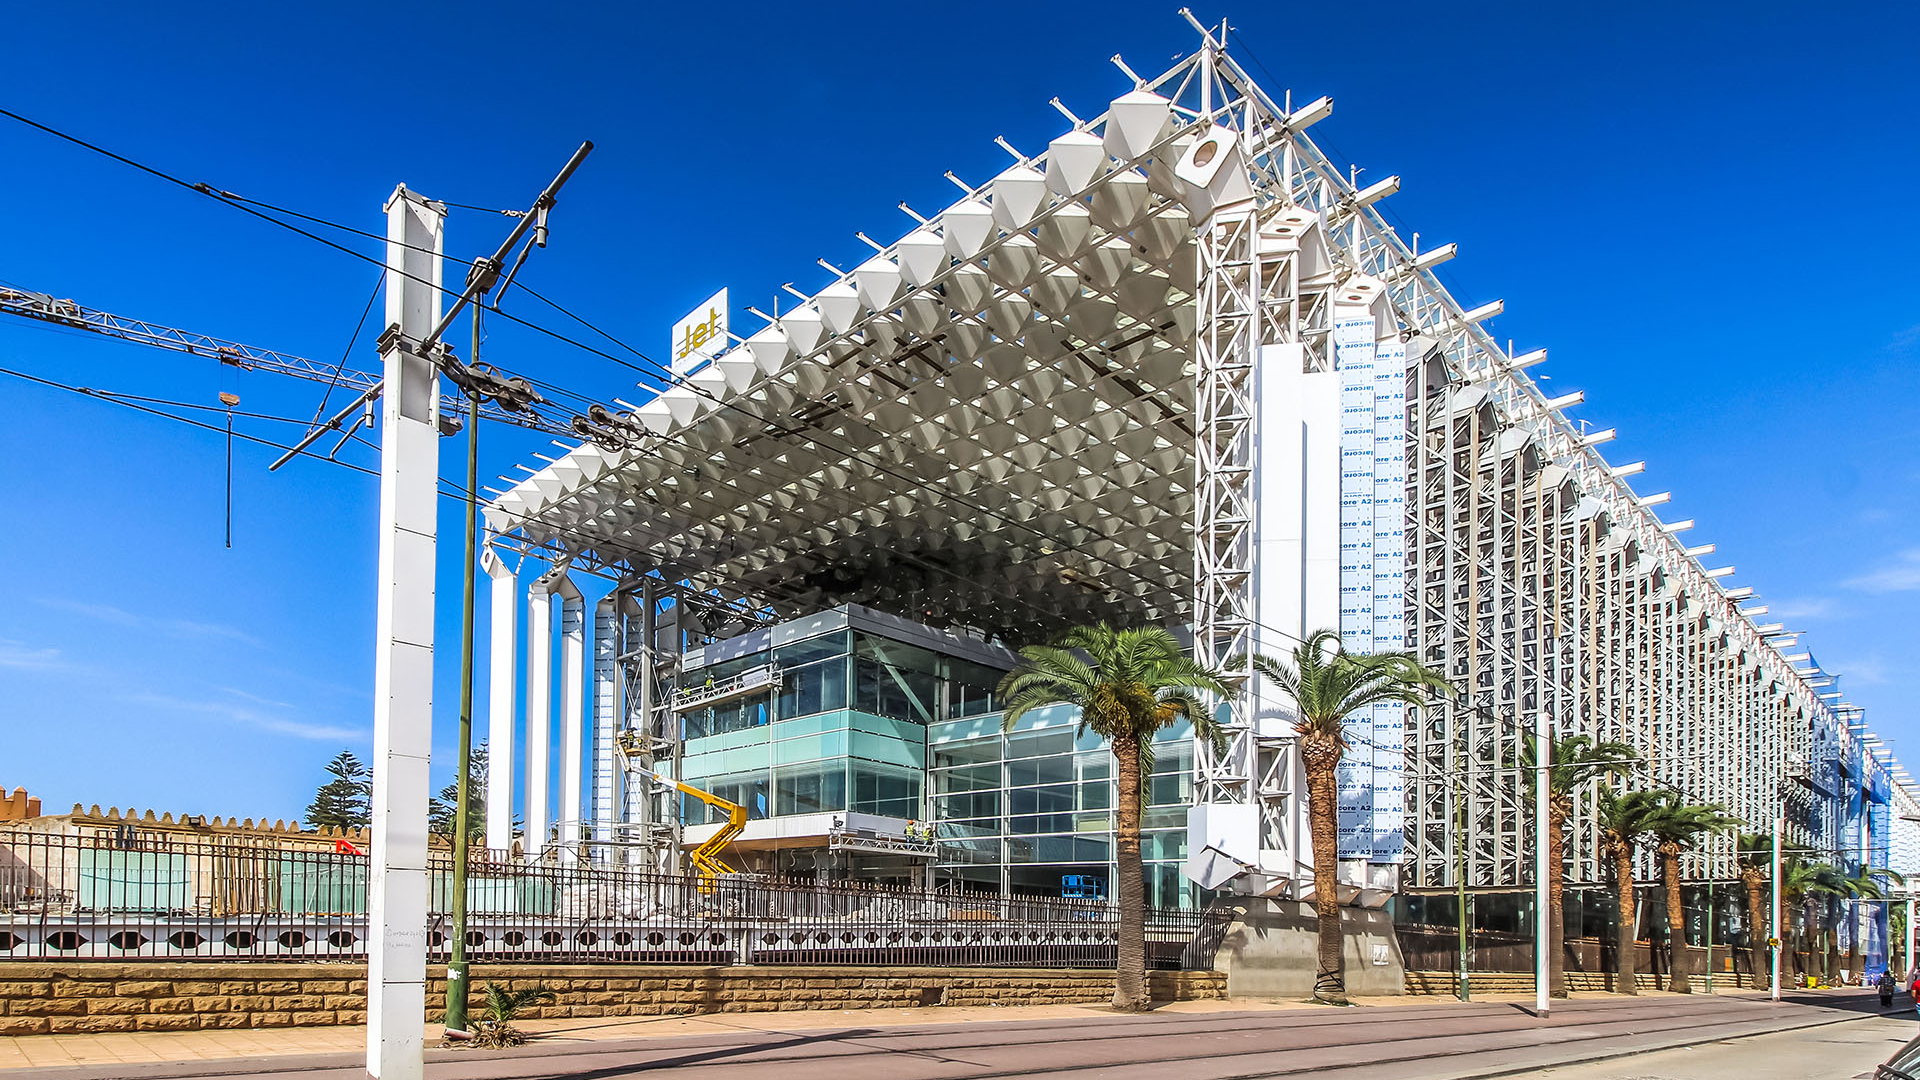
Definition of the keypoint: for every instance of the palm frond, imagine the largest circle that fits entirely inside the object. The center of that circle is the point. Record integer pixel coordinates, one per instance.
(503, 1005)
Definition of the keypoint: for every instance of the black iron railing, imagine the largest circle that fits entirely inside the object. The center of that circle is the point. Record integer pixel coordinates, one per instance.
(129, 894)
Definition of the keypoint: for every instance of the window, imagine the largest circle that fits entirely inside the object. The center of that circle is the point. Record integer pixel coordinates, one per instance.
(978, 804)
(813, 649)
(813, 789)
(971, 689)
(968, 753)
(973, 778)
(1050, 770)
(878, 790)
(895, 680)
(816, 688)
(742, 789)
(1040, 743)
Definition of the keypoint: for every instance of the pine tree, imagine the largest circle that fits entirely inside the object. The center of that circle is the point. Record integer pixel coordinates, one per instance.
(346, 801)
(440, 808)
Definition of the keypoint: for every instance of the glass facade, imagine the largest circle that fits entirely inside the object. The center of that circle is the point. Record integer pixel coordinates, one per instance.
(866, 723)
(1031, 811)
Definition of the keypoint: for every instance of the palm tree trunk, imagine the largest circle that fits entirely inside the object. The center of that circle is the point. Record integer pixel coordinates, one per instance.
(1624, 977)
(1833, 944)
(1556, 900)
(1322, 761)
(1757, 927)
(1130, 971)
(1677, 981)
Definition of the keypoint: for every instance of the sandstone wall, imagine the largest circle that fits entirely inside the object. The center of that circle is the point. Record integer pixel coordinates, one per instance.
(42, 998)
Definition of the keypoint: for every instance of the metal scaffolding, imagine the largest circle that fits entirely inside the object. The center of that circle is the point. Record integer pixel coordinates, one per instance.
(1108, 383)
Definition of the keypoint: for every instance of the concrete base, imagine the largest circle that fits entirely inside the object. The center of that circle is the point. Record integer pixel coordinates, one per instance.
(1270, 949)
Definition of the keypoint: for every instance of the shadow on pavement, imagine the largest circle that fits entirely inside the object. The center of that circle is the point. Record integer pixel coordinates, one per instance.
(717, 1054)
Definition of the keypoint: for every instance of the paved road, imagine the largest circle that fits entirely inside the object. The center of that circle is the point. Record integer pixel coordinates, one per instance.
(1840, 1050)
(1410, 1042)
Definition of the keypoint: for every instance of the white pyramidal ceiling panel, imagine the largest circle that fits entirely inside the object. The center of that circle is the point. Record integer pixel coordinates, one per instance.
(739, 366)
(966, 225)
(879, 282)
(804, 328)
(1134, 121)
(1073, 160)
(923, 253)
(839, 305)
(1017, 195)
(769, 349)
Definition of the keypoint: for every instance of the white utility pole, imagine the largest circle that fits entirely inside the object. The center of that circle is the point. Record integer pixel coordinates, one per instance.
(1779, 932)
(403, 668)
(1907, 957)
(1543, 909)
(403, 665)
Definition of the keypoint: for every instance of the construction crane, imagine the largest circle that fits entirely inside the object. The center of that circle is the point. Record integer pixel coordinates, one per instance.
(45, 308)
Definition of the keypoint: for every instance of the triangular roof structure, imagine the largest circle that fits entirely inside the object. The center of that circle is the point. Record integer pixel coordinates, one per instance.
(986, 423)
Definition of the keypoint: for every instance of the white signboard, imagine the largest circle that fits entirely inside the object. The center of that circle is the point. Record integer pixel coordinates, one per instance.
(701, 335)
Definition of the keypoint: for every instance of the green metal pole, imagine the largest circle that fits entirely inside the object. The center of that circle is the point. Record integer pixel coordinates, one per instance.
(457, 983)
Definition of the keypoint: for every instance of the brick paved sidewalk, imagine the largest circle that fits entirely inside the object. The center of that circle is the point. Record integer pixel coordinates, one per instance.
(47, 1051)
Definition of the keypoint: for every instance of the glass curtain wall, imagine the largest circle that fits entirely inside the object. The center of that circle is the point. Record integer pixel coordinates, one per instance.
(1032, 811)
(846, 730)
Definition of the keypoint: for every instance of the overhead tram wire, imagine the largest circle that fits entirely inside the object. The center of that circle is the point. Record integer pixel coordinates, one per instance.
(662, 371)
(347, 353)
(452, 489)
(657, 370)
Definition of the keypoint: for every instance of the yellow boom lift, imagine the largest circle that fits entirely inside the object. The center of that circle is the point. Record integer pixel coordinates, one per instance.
(705, 858)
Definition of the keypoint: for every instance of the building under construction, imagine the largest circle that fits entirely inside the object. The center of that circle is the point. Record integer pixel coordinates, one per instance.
(1173, 368)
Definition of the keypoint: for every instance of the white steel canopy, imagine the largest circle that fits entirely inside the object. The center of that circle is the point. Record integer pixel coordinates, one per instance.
(987, 423)
(1080, 392)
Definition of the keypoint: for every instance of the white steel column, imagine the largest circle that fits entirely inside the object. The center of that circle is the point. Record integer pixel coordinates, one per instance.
(641, 797)
(503, 654)
(573, 713)
(403, 661)
(607, 696)
(539, 712)
(1542, 907)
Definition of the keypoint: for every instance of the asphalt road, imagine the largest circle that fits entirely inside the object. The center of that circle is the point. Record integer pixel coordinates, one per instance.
(1839, 1050)
(1405, 1042)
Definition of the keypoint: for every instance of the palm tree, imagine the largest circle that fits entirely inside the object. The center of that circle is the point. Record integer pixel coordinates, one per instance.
(1800, 882)
(1573, 763)
(1325, 684)
(1754, 852)
(1128, 684)
(1865, 884)
(1623, 820)
(1831, 887)
(1676, 827)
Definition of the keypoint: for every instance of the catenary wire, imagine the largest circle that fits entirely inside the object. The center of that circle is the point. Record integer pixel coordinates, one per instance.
(247, 206)
(347, 353)
(452, 489)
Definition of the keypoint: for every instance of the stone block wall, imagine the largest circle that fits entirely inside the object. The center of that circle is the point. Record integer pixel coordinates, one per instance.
(1447, 983)
(56, 997)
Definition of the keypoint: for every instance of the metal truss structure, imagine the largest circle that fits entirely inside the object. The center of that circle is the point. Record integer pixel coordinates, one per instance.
(1054, 401)
(70, 315)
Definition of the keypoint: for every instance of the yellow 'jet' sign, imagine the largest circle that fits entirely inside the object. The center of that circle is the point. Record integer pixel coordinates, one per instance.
(701, 333)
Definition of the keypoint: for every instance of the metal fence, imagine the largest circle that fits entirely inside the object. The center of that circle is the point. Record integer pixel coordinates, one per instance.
(127, 895)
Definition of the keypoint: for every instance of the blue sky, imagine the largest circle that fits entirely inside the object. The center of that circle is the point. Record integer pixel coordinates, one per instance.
(1702, 211)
